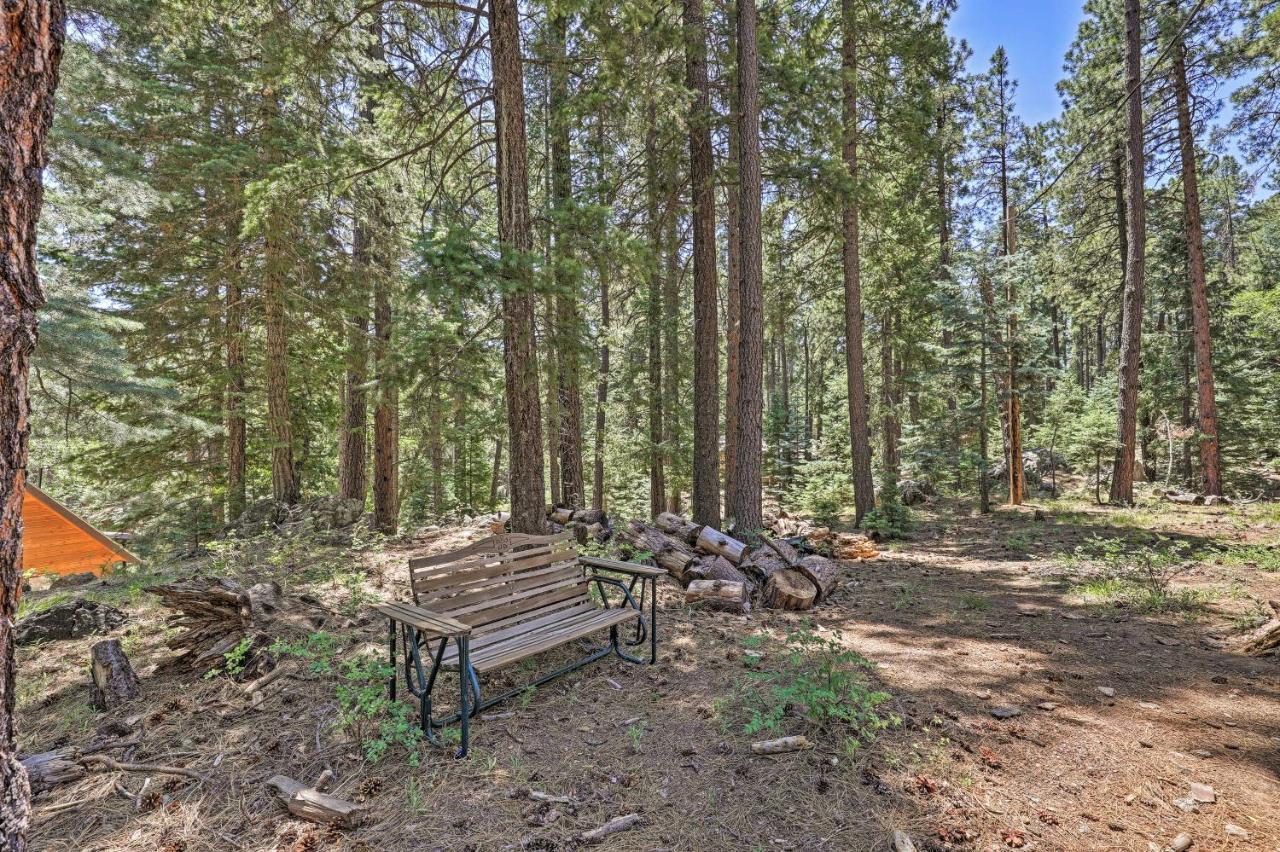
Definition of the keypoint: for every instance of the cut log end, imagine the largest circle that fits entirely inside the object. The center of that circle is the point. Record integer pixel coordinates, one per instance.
(789, 589)
(720, 595)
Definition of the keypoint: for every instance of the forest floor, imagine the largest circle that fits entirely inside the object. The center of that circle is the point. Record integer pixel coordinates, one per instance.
(1123, 700)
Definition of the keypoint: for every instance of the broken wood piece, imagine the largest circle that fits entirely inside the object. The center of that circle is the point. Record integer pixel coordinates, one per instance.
(157, 768)
(901, 841)
(114, 681)
(719, 594)
(716, 568)
(1265, 638)
(783, 549)
(782, 745)
(561, 514)
(1183, 497)
(713, 541)
(48, 769)
(613, 826)
(789, 589)
(310, 804)
(539, 796)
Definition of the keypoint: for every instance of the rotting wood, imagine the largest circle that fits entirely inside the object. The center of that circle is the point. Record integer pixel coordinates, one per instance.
(114, 681)
(782, 745)
(1267, 637)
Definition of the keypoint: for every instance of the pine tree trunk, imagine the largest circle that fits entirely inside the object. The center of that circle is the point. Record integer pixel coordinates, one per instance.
(653, 321)
(435, 447)
(602, 382)
(552, 411)
(284, 480)
(1131, 328)
(353, 437)
(1206, 402)
(706, 332)
(671, 422)
(568, 323)
(888, 399)
(733, 272)
(386, 414)
(1017, 482)
(234, 405)
(496, 472)
(31, 34)
(519, 348)
(864, 499)
(746, 497)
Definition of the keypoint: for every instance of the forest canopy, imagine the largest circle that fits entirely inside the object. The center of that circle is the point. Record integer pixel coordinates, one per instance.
(286, 247)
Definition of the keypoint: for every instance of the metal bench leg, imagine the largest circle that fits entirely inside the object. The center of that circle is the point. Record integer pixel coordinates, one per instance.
(465, 675)
(653, 621)
(391, 648)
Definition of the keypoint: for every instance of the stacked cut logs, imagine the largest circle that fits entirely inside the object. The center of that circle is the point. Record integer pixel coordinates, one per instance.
(584, 523)
(721, 572)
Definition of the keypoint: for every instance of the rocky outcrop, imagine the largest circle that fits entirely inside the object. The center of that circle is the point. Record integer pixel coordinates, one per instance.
(70, 620)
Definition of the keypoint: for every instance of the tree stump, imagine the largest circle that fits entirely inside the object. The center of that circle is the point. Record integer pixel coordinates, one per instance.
(114, 682)
(718, 594)
(789, 589)
(51, 768)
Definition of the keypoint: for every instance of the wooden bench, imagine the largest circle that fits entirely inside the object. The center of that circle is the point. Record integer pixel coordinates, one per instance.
(505, 599)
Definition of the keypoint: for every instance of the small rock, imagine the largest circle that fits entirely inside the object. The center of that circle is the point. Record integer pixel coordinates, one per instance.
(1181, 843)
(1107, 691)
(1234, 830)
(1218, 679)
(1203, 793)
(901, 842)
(1147, 705)
(1047, 705)
(1006, 712)
(1146, 744)
(1187, 805)
(983, 694)
(1115, 826)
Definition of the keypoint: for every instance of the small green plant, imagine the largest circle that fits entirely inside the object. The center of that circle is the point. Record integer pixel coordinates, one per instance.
(905, 597)
(635, 733)
(233, 661)
(374, 719)
(823, 682)
(974, 602)
(890, 518)
(1264, 557)
(413, 796)
(317, 649)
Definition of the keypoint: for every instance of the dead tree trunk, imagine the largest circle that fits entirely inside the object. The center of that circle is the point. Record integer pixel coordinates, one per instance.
(32, 35)
(114, 682)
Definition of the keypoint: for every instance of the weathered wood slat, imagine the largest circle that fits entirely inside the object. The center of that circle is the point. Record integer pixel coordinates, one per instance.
(451, 576)
(503, 585)
(535, 642)
(507, 544)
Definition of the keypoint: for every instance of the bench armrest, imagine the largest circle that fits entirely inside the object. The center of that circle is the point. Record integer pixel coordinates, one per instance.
(622, 567)
(424, 620)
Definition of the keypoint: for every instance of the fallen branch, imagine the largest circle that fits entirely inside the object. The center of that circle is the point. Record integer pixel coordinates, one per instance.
(613, 826)
(782, 745)
(160, 769)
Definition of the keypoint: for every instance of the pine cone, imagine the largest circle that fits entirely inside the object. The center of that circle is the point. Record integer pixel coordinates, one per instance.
(370, 787)
(332, 834)
(152, 800)
(174, 846)
(174, 784)
(309, 842)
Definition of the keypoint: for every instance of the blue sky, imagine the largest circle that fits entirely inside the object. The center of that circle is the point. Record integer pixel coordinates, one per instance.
(1035, 34)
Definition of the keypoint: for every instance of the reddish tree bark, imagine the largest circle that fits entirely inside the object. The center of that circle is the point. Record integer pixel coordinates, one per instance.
(519, 348)
(31, 36)
(1206, 401)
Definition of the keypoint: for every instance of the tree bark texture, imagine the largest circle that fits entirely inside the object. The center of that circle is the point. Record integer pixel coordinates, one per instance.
(234, 404)
(653, 323)
(519, 349)
(31, 36)
(864, 499)
(386, 414)
(746, 496)
(1131, 322)
(1206, 401)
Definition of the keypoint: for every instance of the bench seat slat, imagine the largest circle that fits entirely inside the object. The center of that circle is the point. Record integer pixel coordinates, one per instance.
(505, 585)
(429, 580)
(566, 594)
(527, 644)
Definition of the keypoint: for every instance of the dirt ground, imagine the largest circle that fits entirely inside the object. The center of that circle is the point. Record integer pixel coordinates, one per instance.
(1117, 712)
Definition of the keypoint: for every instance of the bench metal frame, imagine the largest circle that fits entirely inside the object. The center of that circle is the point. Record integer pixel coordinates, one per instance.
(421, 681)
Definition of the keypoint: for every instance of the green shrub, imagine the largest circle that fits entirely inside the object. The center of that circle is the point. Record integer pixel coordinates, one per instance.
(891, 518)
(821, 681)
(825, 491)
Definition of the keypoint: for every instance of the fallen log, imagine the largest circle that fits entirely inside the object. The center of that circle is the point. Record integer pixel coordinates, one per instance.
(762, 564)
(561, 514)
(822, 572)
(713, 541)
(789, 589)
(784, 550)
(1183, 497)
(1267, 637)
(717, 568)
(672, 524)
(782, 745)
(51, 768)
(310, 804)
(719, 595)
(114, 681)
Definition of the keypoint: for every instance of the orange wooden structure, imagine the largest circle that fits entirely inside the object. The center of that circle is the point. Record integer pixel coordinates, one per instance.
(56, 540)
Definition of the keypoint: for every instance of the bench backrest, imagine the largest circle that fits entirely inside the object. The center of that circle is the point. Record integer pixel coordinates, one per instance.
(502, 581)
